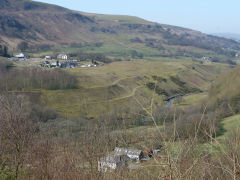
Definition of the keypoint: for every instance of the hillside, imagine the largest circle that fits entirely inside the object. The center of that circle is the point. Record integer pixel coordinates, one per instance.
(123, 87)
(48, 27)
(228, 35)
(226, 89)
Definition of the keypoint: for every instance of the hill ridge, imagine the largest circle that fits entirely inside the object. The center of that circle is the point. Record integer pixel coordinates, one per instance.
(44, 26)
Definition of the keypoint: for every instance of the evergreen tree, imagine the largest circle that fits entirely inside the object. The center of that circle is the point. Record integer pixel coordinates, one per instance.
(5, 51)
(1, 50)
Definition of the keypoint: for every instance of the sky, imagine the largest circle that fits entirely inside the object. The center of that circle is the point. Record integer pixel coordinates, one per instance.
(208, 16)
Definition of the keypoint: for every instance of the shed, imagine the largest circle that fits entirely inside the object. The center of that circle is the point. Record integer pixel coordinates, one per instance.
(21, 56)
(112, 162)
(47, 57)
(131, 153)
(69, 64)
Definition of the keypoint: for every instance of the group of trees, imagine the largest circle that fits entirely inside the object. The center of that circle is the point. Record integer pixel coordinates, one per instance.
(15, 135)
(37, 143)
(22, 46)
(35, 78)
(58, 148)
(33, 148)
(4, 51)
(25, 150)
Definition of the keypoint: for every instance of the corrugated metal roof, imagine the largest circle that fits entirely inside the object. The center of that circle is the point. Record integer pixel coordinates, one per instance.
(123, 151)
(114, 158)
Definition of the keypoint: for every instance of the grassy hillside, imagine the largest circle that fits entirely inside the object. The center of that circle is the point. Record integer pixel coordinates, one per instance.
(226, 88)
(121, 86)
(230, 125)
(48, 28)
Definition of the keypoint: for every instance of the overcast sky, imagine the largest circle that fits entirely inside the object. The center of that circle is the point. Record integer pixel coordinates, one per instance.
(209, 16)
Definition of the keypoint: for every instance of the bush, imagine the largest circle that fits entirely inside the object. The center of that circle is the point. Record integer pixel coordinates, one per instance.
(41, 114)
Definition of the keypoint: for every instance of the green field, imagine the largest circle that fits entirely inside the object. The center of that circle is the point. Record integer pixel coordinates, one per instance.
(192, 99)
(226, 87)
(230, 125)
(116, 86)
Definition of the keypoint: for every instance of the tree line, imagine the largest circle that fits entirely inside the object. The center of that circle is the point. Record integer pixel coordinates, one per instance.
(4, 51)
(24, 79)
(61, 148)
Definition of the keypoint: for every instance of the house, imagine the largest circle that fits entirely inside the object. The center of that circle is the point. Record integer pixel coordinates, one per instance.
(21, 56)
(62, 57)
(134, 155)
(54, 64)
(112, 162)
(47, 58)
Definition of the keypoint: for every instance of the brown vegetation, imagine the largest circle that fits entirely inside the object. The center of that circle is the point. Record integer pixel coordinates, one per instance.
(34, 25)
(35, 78)
(38, 150)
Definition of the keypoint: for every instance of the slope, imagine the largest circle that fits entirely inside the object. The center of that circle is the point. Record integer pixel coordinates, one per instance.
(45, 27)
(123, 86)
(226, 88)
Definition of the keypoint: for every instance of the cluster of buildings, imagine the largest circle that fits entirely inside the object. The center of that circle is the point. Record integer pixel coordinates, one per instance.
(63, 62)
(60, 64)
(207, 60)
(122, 157)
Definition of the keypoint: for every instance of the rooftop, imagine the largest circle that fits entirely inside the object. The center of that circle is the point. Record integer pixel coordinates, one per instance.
(123, 151)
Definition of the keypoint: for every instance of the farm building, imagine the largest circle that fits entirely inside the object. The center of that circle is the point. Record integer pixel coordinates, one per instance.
(54, 64)
(21, 56)
(112, 162)
(62, 57)
(135, 155)
(69, 65)
(47, 58)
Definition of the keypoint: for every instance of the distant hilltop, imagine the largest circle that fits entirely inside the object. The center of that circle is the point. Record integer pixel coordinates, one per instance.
(38, 26)
(228, 35)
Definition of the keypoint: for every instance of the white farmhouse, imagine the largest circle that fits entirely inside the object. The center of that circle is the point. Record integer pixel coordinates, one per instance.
(62, 56)
(47, 57)
(54, 64)
(21, 55)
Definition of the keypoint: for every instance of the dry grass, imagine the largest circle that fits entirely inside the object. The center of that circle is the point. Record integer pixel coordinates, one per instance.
(116, 86)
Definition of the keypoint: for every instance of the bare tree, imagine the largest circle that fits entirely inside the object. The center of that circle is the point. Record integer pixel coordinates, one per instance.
(16, 130)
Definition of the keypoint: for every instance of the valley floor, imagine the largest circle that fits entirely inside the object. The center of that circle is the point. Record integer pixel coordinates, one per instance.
(118, 85)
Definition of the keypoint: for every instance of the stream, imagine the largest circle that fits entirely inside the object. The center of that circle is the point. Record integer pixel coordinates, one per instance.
(170, 101)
